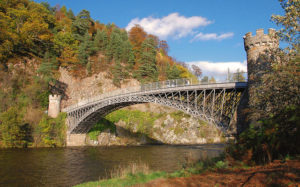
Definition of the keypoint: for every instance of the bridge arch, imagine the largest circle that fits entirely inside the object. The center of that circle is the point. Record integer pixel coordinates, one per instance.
(213, 103)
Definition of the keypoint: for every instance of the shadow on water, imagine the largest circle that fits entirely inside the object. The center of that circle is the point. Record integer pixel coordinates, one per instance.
(70, 166)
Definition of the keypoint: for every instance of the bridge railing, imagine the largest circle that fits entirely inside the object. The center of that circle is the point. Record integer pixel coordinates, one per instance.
(148, 87)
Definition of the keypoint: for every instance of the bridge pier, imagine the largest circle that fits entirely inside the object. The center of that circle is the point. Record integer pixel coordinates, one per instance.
(75, 139)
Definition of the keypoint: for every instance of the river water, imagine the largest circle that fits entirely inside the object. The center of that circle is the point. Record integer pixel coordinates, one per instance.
(71, 166)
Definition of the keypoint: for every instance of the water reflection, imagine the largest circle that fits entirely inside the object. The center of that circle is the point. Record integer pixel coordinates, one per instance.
(70, 166)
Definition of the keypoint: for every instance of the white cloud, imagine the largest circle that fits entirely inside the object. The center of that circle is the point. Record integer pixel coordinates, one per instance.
(173, 25)
(219, 69)
(212, 36)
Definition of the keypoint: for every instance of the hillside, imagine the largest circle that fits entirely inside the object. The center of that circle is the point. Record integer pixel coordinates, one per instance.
(38, 42)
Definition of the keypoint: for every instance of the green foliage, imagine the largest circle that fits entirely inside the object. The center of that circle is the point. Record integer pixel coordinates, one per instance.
(47, 68)
(117, 73)
(85, 49)
(81, 24)
(100, 126)
(101, 40)
(13, 131)
(290, 22)
(221, 165)
(173, 72)
(204, 79)
(270, 139)
(131, 179)
(52, 131)
(147, 71)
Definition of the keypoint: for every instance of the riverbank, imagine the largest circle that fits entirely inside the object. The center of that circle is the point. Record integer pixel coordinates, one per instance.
(214, 173)
(273, 174)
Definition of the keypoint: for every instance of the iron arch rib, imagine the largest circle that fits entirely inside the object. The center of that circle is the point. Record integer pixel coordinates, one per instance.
(213, 103)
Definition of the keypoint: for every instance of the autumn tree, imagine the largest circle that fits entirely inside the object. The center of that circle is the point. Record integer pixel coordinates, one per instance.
(164, 47)
(137, 35)
(290, 32)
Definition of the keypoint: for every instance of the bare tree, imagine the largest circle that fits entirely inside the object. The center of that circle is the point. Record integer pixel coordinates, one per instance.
(196, 71)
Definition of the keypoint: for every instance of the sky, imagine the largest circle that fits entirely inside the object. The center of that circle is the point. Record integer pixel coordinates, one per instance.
(207, 33)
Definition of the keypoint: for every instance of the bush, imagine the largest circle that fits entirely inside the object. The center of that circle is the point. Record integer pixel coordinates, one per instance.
(270, 139)
(52, 131)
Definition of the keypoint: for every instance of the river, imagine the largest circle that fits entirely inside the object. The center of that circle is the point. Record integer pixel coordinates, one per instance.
(75, 165)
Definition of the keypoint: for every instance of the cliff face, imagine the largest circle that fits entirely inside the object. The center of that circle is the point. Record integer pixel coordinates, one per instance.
(166, 125)
(79, 89)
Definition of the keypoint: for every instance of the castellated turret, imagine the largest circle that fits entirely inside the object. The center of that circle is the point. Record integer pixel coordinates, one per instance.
(256, 46)
(54, 105)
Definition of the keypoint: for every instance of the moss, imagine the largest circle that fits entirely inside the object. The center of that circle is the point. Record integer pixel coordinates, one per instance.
(178, 130)
(178, 115)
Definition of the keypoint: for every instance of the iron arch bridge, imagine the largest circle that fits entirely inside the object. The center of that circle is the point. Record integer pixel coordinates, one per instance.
(214, 103)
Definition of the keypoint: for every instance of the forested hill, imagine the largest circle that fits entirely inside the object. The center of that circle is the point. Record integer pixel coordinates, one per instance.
(37, 39)
(81, 44)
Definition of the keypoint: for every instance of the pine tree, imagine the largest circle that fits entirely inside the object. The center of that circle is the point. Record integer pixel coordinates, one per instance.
(117, 73)
(172, 72)
(101, 40)
(81, 24)
(114, 49)
(148, 70)
(86, 48)
(47, 67)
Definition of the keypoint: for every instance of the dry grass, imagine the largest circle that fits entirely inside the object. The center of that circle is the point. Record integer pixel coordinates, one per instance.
(122, 171)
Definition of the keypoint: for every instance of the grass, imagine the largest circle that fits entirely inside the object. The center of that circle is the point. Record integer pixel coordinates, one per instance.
(134, 173)
(139, 173)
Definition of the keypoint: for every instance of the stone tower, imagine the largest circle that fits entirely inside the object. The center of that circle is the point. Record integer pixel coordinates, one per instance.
(257, 64)
(54, 105)
(256, 46)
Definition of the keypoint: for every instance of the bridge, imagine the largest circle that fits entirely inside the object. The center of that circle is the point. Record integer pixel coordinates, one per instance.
(214, 103)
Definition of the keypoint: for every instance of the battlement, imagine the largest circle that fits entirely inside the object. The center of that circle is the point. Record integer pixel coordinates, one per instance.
(269, 40)
(55, 97)
(54, 105)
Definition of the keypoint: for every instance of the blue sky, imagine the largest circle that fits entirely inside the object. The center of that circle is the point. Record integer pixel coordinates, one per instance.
(206, 33)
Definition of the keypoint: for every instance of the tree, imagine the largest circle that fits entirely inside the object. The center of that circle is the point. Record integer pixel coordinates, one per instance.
(117, 74)
(81, 24)
(148, 69)
(196, 71)
(114, 49)
(47, 68)
(85, 49)
(290, 22)
(204, 79)
(274, 106)
(212, 80)
(12, 133)
(137, 35)
(70, 15)
(163, 45)
(101, 40)
(238, 76)
(172, 72)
